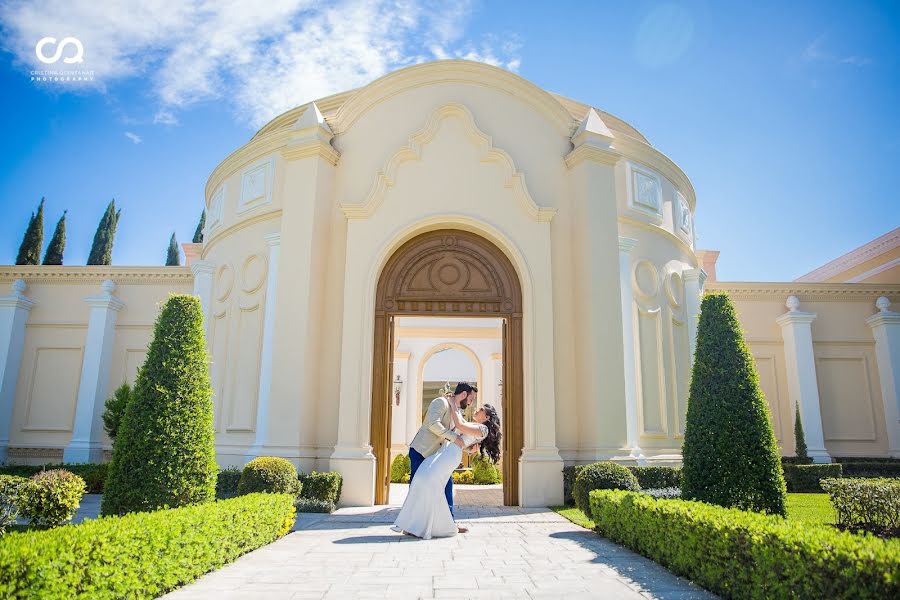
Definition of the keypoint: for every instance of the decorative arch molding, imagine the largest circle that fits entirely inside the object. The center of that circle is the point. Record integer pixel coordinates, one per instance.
(386, 178)
(451, 71)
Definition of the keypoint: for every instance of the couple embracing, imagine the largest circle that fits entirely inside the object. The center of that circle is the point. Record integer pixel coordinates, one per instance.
(435, 452)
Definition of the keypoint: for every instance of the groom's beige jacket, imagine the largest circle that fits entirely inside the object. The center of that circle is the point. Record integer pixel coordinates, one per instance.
(435, 428)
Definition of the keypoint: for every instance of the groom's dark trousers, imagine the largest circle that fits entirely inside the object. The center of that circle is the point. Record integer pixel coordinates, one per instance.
(415, 459)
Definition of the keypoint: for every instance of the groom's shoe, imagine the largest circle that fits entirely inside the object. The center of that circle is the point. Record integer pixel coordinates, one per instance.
(462, 529)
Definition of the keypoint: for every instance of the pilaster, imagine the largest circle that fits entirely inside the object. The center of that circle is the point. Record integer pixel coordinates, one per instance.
(87, 435)
(632, 433)
(885, 326)
(800, 363)
(14, 311)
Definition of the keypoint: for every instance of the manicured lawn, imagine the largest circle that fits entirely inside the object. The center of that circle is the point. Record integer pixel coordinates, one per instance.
(814, 509)
(575, 515)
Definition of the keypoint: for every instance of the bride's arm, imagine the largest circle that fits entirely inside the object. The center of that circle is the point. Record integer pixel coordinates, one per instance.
(464, 426)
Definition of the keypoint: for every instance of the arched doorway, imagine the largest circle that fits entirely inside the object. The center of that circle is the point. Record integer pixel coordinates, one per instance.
(455, 273)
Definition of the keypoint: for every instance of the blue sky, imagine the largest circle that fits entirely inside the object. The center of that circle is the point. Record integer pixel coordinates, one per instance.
(783, 114)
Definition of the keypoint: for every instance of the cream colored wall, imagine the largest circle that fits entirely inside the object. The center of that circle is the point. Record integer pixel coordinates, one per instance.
(49, 376)
(850, 398)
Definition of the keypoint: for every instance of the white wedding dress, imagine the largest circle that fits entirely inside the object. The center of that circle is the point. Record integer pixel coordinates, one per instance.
(425, 513)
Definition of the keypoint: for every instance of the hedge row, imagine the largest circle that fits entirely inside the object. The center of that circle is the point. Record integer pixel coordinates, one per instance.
(322, 487)
(94, 475)
(139, 555)
(871, 469)
(743, 554)
(806, 478)
(655, 477)
(872, 504)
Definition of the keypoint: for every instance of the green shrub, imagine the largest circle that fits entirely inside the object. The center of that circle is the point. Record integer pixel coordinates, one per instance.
(400, 466)
(866, 459)
(321, 486)
(601, 476)
(466, 477)
(805, 478)
(666, 492)
(748, 555)
(140, 555)
(730, 454)
(484, 471)
(569, 475)
(227, 483)
(10, 490)
(271, 474)
(799, 439)
(406, 478)
(164, 453)
(114, 410)
(871, 504)
(657, 476)
(94, 475)
(314, 505)
(51, 498)
(871, 469)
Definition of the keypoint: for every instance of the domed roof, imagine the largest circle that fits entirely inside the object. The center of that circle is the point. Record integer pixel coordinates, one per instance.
(330, 106)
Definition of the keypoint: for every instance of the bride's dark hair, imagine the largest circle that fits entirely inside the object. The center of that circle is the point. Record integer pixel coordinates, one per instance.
(490, 445)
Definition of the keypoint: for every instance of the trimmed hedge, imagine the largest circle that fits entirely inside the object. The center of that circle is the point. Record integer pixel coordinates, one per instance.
(871, 469)
(400, 466)
(569, 475)
(164, 453)
(139, 555)
(271, 474)
(806, 478)
(227, 483)
(313, 505)
(653, 477)
(51, 498)
(94, 475)
(484, 471)
(730, 453)
(601, 476)
(466, 477)
(743, 554)
(324, 487)
(872, 504)
(10, 490)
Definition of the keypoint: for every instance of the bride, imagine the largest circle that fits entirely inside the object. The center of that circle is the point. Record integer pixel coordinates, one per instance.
(425, 513)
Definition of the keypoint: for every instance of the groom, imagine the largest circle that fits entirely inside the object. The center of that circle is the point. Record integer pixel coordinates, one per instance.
(436, 428)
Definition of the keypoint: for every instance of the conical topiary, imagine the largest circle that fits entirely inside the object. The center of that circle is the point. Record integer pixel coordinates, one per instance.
(730, 454)
(101, 248)
(57, 246)
(198, 234)
(799, 438)
(164, 452)
(173, 258)
(30, 249)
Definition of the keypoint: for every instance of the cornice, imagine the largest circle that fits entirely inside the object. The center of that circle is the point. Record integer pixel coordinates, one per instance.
(648, 155)
(386, 178)
(221, 234)
(82, 274)
(309, 149)
(451, 71)
(589, 152)
(255, 149)
(883, 318)
(854, 258)
(820, 292)
(659, 230)
(795, 316)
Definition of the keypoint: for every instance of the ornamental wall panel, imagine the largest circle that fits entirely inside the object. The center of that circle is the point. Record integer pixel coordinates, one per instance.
(651, 373)
(218, 343)
(53, 389)
(245, 369)
(767, 367)
(846, 398)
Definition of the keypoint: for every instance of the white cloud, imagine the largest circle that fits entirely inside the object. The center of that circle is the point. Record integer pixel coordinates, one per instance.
(264, 61)
(164, 117)
(815, 51)
(133, 137)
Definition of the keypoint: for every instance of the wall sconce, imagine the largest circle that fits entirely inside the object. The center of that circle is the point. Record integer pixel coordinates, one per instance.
(398, 385)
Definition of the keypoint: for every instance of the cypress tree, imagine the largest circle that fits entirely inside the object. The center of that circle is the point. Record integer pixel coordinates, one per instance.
(164, 452)
(54, 254)
(173, 258)
(730, 454)
(30, 249)
(101, 248)
(799, 438)
(198, 234)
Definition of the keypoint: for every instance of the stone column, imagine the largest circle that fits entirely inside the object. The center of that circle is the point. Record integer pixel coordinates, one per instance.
(693, 297)
(14, 310)
(87, 436)
(800, 363)
(632, 433)
(203, 282)
(273, 240)
(885, 326)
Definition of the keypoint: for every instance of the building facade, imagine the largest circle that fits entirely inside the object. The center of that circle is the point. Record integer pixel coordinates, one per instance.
(445, 190)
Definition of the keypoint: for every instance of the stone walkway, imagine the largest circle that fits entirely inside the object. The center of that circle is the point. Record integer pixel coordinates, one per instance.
(509, 552)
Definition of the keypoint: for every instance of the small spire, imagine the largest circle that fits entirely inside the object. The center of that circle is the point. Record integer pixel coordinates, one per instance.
(311, 117)
(592, 126)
